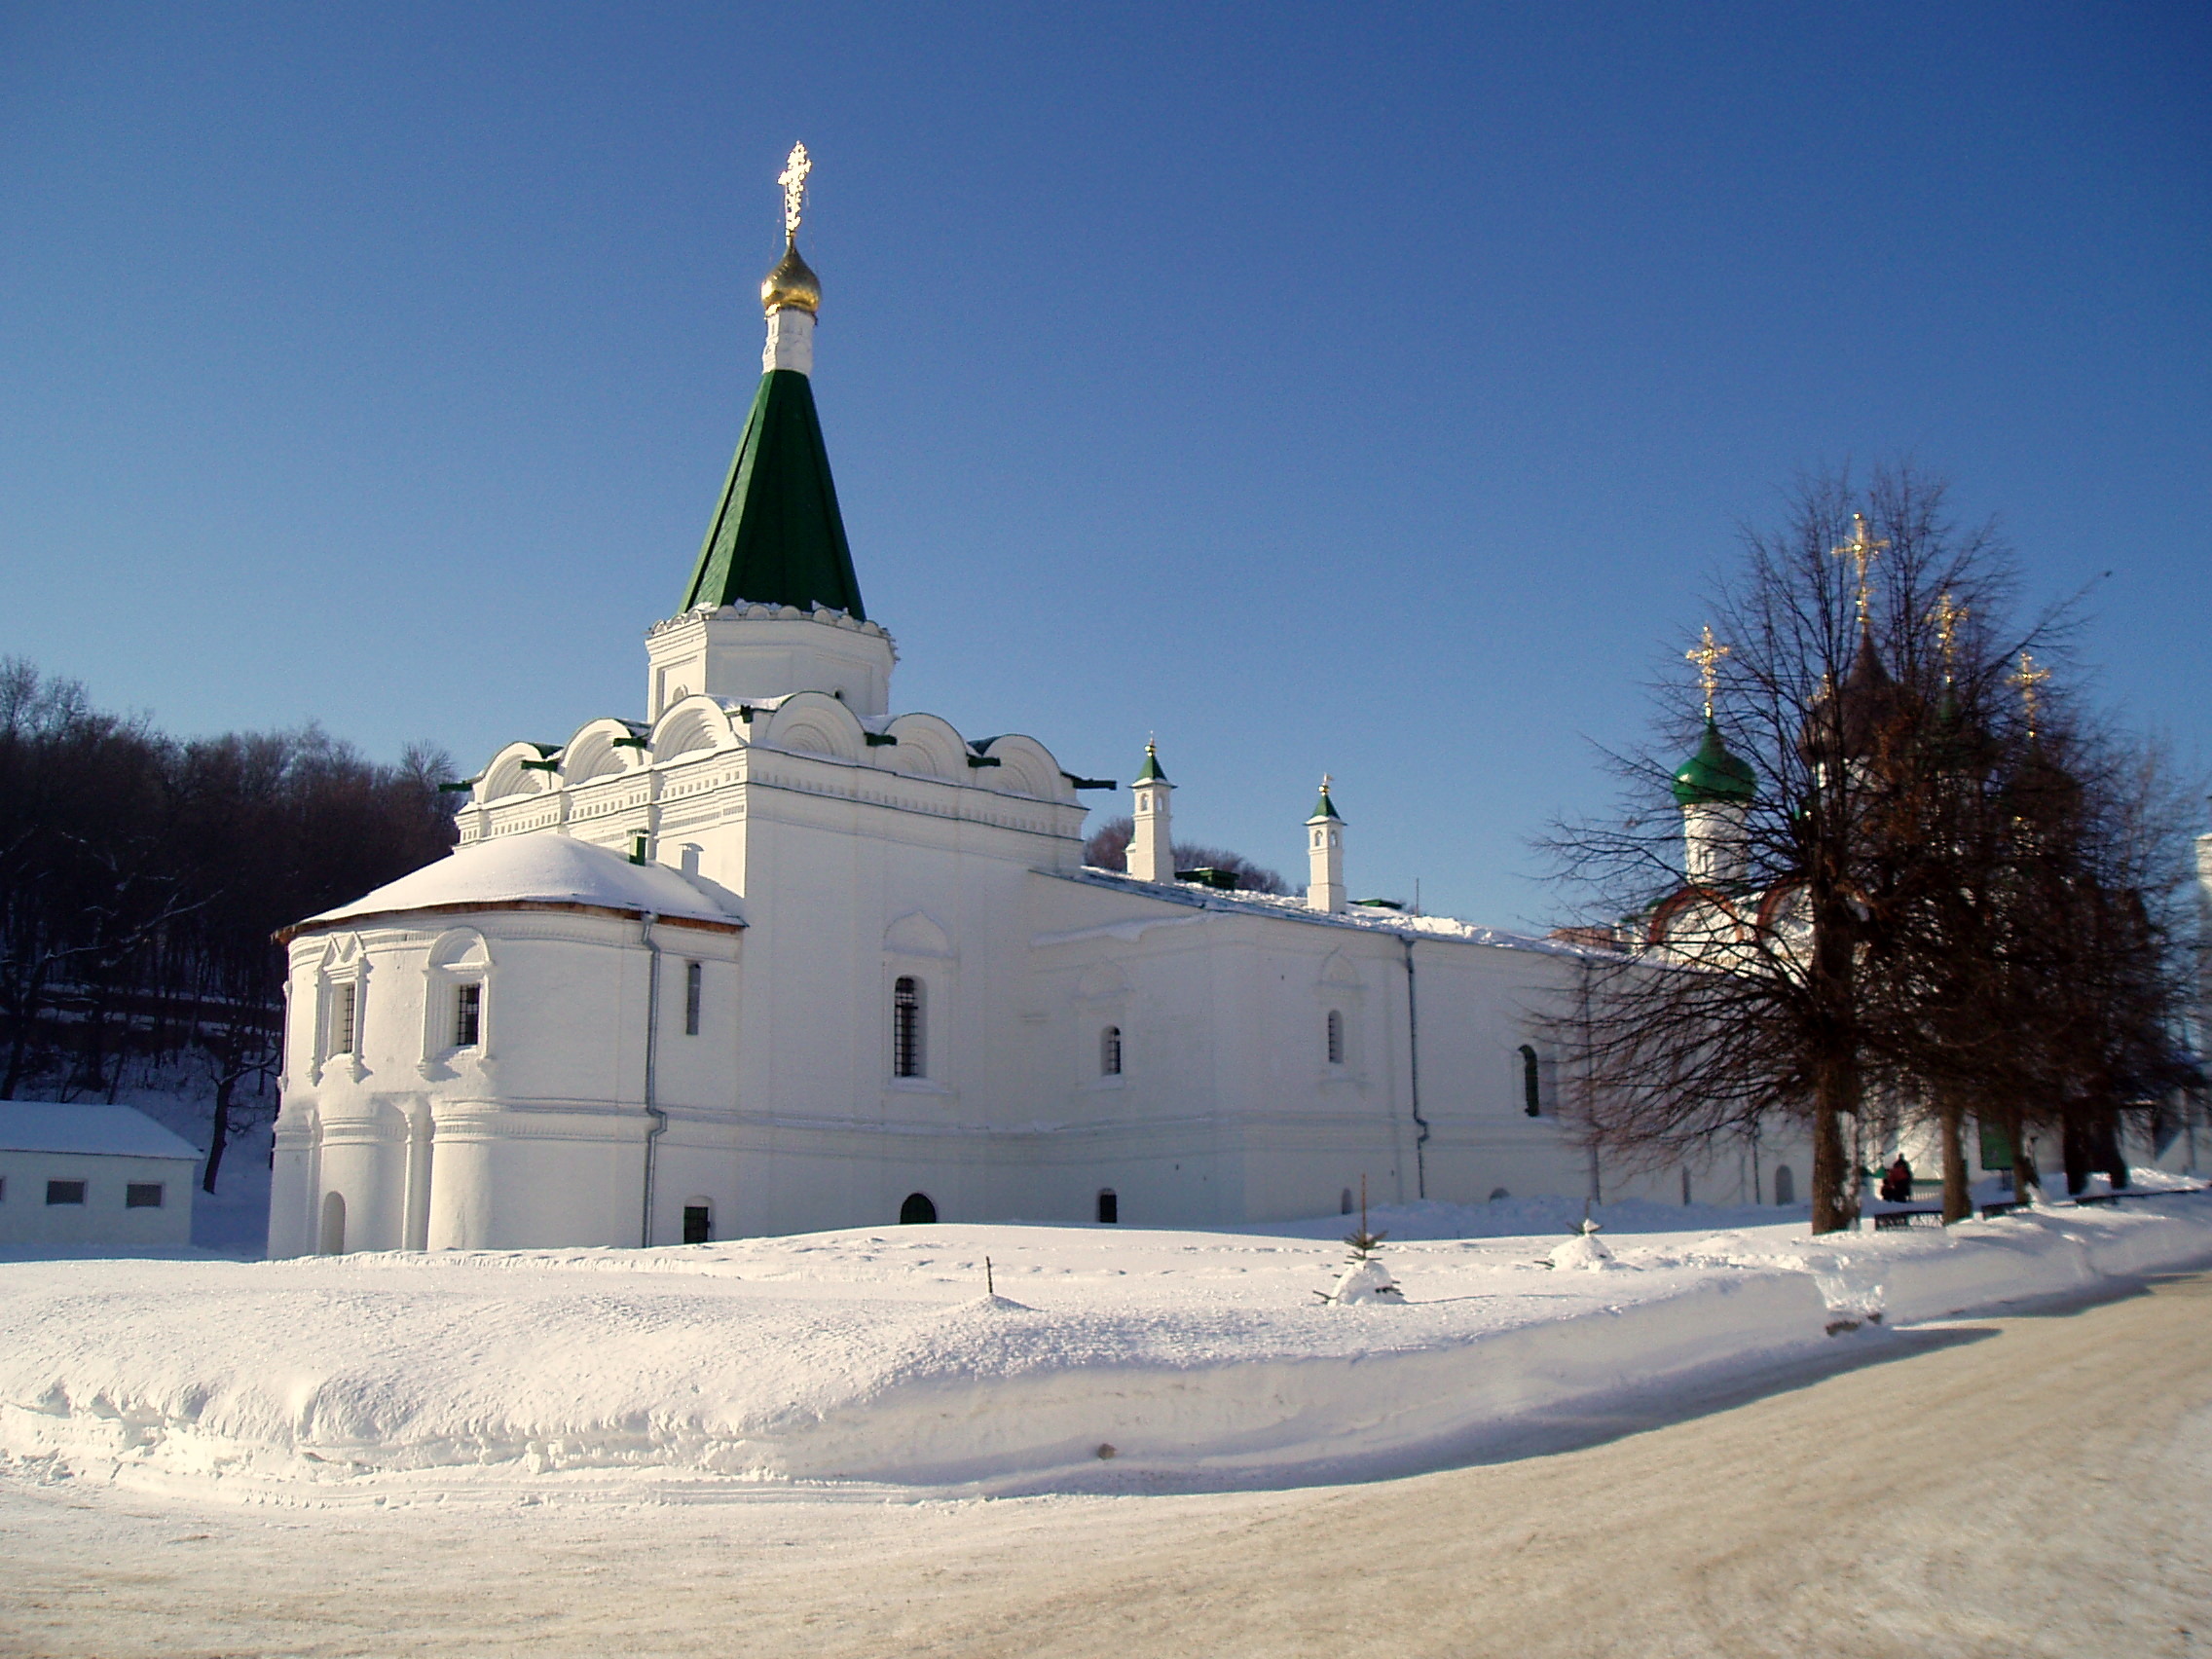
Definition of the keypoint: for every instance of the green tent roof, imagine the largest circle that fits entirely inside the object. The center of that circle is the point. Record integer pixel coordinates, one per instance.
(1152, 774)
(777, 537)
(1325, 808)
(1713, 776)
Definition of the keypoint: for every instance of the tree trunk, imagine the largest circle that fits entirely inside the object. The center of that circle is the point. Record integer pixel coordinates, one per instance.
(2110, 1157)
(2074, 1148)
(1958, 1195)
(2024, 1170)
(219, 1131)
(1836, 1182)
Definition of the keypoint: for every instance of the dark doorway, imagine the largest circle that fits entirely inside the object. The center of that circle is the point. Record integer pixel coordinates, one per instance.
(1109, 1206)
(698, 1223)
(917, 1210)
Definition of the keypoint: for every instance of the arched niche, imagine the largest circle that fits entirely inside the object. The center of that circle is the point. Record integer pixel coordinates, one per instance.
(1026, 766)
(694, 724)
(603, 749)
(927, 747)
(813, 723)
(917, 934)
(518, 769)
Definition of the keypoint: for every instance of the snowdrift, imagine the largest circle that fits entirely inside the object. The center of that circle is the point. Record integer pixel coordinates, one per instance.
(877, 1357)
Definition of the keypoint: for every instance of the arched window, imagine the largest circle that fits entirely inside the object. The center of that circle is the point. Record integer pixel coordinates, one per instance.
(1343, 1203)
(1109, 1206)
(917, 1210)
(694, 995)
(1335, 1038)
(1110, 1052)
(333, 1223)
(1785, 1185)
(1532, 1083)
(907, 1057)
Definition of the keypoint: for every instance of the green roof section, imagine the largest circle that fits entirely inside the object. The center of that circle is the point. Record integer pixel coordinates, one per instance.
(778, 537)
(1152, 774)
(1713, 777)
(1325, 809)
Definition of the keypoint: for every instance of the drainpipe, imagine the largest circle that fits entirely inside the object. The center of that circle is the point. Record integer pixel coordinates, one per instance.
(1413, 1076)
(659, 1128)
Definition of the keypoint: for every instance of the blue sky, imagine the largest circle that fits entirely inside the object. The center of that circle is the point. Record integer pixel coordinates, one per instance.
(1369, 390)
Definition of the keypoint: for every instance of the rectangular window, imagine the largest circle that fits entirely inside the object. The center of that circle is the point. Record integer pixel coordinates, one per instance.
(694, 982)
(342, 1011)
(467, 1015)
(906, 1054)
(65, 1192)
(143, 1194)
(698, 1226)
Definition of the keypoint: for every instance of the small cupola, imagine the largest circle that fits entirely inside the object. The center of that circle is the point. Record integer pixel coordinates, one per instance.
(1713, 777)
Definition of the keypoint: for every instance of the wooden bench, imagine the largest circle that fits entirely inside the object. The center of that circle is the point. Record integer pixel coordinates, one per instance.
(1888, 1221)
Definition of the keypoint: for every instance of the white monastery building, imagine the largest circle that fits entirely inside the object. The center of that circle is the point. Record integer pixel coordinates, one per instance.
(772, 958)
(93, 1177)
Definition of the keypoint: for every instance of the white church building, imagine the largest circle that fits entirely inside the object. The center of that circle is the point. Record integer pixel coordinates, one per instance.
(772, 958)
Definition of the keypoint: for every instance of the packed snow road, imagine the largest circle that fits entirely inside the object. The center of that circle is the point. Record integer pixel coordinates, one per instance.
(2029, 1483)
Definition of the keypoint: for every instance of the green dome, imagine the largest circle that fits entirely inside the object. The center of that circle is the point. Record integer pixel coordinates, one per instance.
(1713, 777)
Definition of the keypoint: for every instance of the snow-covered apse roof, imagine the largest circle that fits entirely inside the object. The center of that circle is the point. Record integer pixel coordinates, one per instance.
(97, 1129)
(528, 871)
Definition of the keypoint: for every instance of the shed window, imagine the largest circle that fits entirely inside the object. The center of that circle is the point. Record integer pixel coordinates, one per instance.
(1532, 1083)
(1335, 1038)
(694, 982)
(907, 1057)
(344, 1006)
(65, 1192)
(467, 1014)
(1110, 1052)
(143, 1194)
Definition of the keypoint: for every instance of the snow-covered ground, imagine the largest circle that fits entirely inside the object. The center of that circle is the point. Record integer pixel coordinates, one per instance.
(1106, 1359)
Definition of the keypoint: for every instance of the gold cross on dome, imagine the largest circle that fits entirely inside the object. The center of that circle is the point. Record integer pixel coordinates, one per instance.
(2029, 678)
(1861, 549)
(1707, 657)
(797, 165)
(1948, 616)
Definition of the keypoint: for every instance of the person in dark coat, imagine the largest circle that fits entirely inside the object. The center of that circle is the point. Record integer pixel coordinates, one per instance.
(1897, 1184)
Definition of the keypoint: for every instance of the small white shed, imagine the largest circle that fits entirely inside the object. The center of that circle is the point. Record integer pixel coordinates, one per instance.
(89, 1176)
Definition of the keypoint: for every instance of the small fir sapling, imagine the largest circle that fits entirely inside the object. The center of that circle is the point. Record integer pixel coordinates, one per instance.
(1364, 1279)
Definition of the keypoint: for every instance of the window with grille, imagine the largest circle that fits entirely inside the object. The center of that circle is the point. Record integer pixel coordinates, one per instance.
(907, 1057)
(1110, 1052)
(467, 1015)
(344, 1006)
(1335, 1038)
(695, 983)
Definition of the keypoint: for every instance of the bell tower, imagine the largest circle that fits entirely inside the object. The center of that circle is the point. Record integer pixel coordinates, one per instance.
(774, 606)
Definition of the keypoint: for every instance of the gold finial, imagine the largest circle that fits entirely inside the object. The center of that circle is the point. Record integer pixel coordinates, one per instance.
(1326, 780)
(2029, 678)
(1861, 549)
(1708, 657)
(792, 283)
(1948, 616)
(797, 165)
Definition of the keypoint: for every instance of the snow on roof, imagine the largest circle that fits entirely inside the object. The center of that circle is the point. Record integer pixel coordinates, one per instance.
(542, 868)
(80, 1127)
(1292, 908)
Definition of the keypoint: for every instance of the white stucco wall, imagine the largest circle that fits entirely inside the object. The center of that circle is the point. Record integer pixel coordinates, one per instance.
(103, 1221)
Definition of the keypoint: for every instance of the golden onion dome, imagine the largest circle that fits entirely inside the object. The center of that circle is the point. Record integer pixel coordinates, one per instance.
(792, 283)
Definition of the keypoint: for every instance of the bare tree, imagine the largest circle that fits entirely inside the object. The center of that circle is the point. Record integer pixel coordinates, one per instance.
(1761, 988)
(1108, 848)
